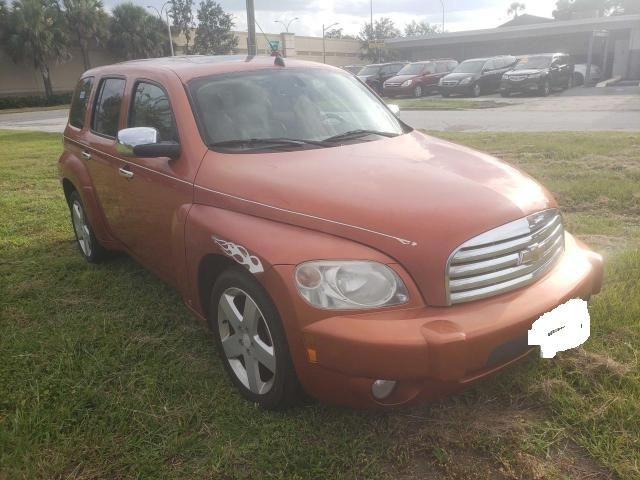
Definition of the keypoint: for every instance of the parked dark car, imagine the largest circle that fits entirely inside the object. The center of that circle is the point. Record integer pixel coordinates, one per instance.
(476, 76)
(416, 79)
(538, 74)
(375, 75)
(353, 68)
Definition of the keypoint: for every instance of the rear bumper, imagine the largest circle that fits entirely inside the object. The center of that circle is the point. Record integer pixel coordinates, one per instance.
(434, 351)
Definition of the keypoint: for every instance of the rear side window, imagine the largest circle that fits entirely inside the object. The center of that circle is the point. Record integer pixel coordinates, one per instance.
(451, 65)
(151, 108)
(489, 65)
(79, 103)
(441, 67)
(106, 114)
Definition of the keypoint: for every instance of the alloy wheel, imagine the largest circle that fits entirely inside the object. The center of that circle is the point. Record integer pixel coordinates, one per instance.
(417, 92)
(246, 341)
(476, 90)
(83, 234)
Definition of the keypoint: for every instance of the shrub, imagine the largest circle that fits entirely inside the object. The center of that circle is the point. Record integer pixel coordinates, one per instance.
(34, 101)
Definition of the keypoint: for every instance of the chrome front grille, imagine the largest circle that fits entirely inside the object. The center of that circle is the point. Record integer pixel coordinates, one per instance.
(505, 258)
(393, 84)
(450, 83)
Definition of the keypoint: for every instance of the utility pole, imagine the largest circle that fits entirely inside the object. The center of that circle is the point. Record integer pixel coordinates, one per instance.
(324, 49)
(159, 12)
(251, 29)
(442, 3)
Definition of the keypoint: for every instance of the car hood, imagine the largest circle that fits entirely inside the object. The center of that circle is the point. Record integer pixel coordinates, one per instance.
(400, 78)
(460, 76)
(529, 71)
(413, 197)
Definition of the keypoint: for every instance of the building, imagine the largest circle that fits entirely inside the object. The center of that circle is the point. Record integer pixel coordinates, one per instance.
(622, 42)
(23, 79)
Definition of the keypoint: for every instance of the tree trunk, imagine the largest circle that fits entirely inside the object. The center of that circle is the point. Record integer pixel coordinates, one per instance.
(46, 79)
(85, 56)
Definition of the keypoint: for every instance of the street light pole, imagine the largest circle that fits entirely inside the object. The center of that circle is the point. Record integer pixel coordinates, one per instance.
(324, 50)
(442, 3)
(159, 12)
(288, 24)
(251, 29)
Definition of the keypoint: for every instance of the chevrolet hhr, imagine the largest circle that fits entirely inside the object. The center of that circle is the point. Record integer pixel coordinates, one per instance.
(330, 248)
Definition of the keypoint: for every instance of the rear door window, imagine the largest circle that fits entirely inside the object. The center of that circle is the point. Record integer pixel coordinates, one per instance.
(441, 67)
(106, 114)
(150, 107)
(79, 103)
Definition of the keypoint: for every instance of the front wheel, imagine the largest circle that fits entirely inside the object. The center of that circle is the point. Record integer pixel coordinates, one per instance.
(417, 91)
(86, 240)
(251, 341)
(475, 90)
(546, 89)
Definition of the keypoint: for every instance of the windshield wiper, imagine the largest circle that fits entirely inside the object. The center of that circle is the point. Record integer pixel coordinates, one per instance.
(255, 143)
(356, 134)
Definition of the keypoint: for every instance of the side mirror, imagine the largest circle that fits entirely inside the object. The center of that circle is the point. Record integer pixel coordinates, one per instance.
(143, 142)
(395, 109)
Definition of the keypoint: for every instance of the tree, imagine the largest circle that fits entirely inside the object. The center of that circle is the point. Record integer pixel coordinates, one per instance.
(337, 33)
(567, 9)
(213, 34)
(88, 23)
(181, 12)
(35, 33)
(419, 29)
(624, 7)
(134, 33)
(383, 29)
(515, 8)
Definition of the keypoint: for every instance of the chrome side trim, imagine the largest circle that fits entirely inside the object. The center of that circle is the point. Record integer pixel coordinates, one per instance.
(306, 215)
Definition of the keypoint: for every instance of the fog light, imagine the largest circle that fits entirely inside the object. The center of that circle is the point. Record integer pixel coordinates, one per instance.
(381, 389)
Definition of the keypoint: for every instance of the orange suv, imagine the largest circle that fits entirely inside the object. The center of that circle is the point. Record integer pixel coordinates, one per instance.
(330, 247)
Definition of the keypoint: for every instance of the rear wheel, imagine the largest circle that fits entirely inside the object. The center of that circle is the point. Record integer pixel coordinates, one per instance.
(86, 240)
(417, 91)
(251, 341)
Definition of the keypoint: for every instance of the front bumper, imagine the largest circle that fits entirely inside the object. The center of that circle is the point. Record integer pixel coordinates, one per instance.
(435, 351)
(456, 89)
(523, 86)
(389, 91)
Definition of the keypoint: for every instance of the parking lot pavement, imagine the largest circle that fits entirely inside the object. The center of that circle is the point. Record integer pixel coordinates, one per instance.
(578, 109)
(42, 121)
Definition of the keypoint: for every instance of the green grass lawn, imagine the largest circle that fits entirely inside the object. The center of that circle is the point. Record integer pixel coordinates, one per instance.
(438, 103)
(104, 374)
(33, 109)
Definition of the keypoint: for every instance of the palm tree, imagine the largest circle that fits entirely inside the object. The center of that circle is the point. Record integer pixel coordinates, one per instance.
(36, 34)
(134, 33)
(88, 23)
(515, 8)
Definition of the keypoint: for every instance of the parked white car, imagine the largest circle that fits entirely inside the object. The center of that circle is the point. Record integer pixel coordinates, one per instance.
(580, 73)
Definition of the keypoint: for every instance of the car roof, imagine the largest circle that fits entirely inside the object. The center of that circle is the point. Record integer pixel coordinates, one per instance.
(187, 67)
(484, 59)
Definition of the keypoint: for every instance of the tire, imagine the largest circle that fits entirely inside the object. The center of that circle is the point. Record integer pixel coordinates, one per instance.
(260, 343)
(505, 93)
(445, 95)
(86, 240)
(546, 89)
(476, 90)
(417, 91)
(578, 79)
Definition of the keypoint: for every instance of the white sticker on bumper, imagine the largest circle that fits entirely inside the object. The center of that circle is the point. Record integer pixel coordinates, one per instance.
(566, 326)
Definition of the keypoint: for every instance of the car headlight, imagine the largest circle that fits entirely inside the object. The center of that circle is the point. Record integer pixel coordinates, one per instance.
(441, 81)
(466, 81)
(349, 284)
(407, 83)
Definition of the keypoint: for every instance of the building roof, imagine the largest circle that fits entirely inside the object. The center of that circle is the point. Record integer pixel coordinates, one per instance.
(525, 19)
(617, 22)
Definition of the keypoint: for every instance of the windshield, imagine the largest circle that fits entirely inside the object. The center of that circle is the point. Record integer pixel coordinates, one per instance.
(470, 66)
(370, 70)
(536, 62)
(286, 103)
(415, 68)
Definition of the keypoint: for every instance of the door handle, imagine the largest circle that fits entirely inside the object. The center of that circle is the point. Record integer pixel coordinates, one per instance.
(86, 155)
(126, 173)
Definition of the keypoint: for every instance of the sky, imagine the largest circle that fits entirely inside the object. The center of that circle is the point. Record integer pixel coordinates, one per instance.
(351, 14)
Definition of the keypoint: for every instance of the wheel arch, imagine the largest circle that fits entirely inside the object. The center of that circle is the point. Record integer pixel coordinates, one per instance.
(68, 187)
(209, 269)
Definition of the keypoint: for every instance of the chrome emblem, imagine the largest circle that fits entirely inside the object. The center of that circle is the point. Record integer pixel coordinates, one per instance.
(532, 254)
